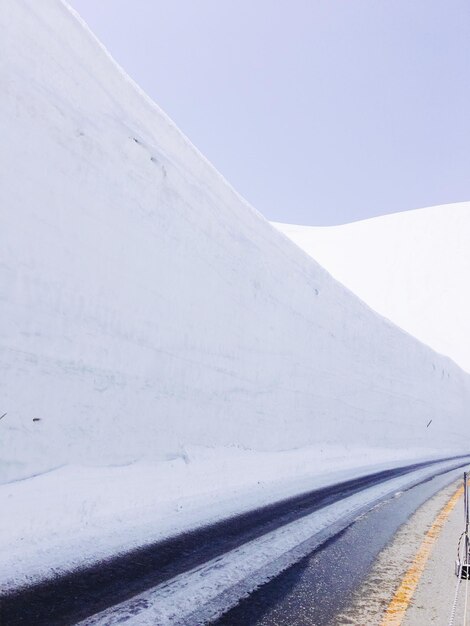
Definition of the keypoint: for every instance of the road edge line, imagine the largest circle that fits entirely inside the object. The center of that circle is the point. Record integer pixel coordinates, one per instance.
(396, 610)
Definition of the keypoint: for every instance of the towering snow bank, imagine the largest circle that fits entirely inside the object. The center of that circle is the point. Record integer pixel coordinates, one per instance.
(145, 306)
(411, 267)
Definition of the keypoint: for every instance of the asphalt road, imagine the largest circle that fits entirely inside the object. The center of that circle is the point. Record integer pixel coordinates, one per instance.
(72, 598)
(315, 590)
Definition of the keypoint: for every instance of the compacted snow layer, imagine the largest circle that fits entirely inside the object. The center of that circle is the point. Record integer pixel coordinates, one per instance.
(145, 306)
(412, 267)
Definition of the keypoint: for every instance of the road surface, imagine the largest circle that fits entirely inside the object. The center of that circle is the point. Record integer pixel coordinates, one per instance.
(328, 577)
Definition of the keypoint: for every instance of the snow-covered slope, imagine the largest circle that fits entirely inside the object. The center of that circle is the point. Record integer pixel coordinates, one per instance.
(145, 306)
(412, 267)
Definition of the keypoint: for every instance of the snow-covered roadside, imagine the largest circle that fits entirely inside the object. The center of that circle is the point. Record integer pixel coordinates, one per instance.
(76, 515)
(207, 591)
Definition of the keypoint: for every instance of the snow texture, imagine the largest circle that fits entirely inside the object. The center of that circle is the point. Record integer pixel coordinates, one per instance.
(411, 267)
(76, 515)
(147, 311)
(145, 306)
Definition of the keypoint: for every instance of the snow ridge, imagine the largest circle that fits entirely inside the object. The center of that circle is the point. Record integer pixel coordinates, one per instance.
(411, 267)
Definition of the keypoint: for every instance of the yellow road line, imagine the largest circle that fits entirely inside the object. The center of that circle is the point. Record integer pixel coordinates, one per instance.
(397, 608)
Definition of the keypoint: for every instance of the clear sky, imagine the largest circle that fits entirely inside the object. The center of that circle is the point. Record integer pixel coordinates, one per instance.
(317, 111)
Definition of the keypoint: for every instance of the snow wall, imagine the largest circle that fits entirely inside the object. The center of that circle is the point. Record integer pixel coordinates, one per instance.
(146, 306)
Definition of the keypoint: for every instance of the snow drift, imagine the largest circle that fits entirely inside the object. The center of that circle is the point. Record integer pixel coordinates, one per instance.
(411, 267)
(145, 306)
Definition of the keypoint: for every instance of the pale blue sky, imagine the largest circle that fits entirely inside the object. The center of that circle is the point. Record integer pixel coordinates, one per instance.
(317, 111)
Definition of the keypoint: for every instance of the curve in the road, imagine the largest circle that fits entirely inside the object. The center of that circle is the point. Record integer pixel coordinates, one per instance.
(83, 593)
(319, 588)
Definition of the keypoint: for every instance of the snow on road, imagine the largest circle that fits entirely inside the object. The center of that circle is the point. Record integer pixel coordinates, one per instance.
(205, 592)
(78, 515)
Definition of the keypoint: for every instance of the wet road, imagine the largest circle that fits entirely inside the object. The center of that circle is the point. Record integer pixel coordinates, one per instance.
(81, 594)
(314, 590)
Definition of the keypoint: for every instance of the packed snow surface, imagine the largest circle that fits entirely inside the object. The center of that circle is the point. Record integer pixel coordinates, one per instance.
(412, 267)
(147, 310)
